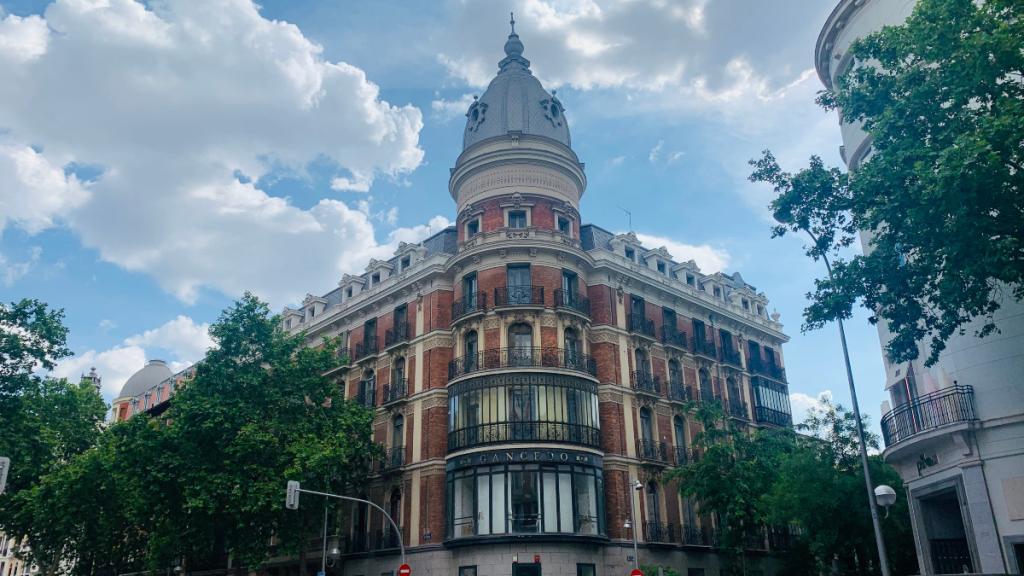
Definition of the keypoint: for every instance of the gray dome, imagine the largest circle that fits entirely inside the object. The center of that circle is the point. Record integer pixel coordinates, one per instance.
(515, 102)
(153, 373)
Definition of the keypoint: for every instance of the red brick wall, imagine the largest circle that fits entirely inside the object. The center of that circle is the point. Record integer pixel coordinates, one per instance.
(432, 502)
(549, 337)
(612, 428)
(606, 355)
(435, 367)
(435, 432)
(602, 304)
(617, 491)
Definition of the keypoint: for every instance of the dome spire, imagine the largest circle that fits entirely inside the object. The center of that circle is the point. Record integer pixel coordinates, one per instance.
(513, 49)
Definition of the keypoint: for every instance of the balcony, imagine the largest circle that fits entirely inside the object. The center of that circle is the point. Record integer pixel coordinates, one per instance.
(364, 349)
(395, 391)
(771, 370)
(393, 459)
(475, 302)
(396, 335)
(367, 395)
(573, 301)
(344, 356)
(519, 296)
(947, 406)
(640, 325)
(765, 415)
(385, 539)
(732, 356)
(657, 533)
(682, 456)
(693, 536)
(672, 337)
(677, 392)
(652, 451)
(705, 348)
(533, 357)
(645, 382)
(504, 432)
(737, 409)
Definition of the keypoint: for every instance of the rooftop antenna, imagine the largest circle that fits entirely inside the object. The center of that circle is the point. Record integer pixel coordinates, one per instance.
(512, 21)
(630, 216)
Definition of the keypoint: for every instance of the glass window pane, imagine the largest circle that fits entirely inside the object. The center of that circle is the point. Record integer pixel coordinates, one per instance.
(463, 513)
(498, 502)
(586, 504)
(483, 499)
(565, 503)
(550, 503)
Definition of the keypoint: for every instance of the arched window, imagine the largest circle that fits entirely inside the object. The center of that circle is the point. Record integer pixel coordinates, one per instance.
(399, 370)
(368, 389)
(706, 391)
(653, 508)
(680, 430)
(642, 364)
(675, 374)
(520, 345)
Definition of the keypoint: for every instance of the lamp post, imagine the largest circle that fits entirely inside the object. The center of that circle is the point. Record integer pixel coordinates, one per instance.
(883, 561)
(632, 522)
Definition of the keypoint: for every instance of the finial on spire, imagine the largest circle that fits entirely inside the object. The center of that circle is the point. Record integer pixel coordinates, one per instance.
(512, 21)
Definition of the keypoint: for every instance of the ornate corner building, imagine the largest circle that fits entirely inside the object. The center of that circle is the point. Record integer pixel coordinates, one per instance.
(955, 430)
(526, 369)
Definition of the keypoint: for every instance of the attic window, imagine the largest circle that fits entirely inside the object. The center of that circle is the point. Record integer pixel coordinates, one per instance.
(564, 226)
(472, 228)
(661, 266)
(760, 310)
(348, 292)
(746, 304)
(718, 292)
(630, 253)
(406, 261)
(674, 276)
(517, 219)
(375, 279)
(691, 279)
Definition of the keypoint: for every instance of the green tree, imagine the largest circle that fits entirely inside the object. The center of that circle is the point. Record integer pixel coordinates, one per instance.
(46, 421)
(736, 466)
(942, 100)
(820, 489)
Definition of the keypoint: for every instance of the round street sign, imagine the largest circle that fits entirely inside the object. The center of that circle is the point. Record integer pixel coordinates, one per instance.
(404, 570)
(636, 572)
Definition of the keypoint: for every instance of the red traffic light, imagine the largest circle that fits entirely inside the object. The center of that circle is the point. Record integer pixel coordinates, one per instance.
(636, 572)
(404, 570)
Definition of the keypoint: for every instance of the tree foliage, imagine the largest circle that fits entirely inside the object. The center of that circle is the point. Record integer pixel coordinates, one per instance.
(204, 481)
(942, 99)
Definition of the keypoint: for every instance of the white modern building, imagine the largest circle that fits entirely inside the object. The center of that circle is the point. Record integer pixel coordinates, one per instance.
(955, 430)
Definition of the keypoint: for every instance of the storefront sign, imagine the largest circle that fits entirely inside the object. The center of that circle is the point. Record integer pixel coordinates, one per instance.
(521, 456)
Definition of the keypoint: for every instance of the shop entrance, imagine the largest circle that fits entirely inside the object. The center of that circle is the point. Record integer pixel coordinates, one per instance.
(947, 537)
(519, 569)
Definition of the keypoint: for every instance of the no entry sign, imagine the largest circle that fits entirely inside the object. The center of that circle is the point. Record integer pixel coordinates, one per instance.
(404, 570)
(636, 572)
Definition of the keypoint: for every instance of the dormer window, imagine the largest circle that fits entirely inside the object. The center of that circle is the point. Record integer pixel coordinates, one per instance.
(661, 267)
(691, 279)
(746, 304)
(348, 292)
(564, 226)
(517, 219)
(631, 254)
(472, 227)
(718, 292)
(375, 278)
(405, 262)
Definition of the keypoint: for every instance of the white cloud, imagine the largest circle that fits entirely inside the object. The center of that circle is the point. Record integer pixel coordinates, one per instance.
(655, 152)
(709, 258)
(391, 216)
(617, 161)
(181, 342)
(801, 404)
(107, 324)
(447, 110)
(11, 272)
(675, 157)
(172, 101)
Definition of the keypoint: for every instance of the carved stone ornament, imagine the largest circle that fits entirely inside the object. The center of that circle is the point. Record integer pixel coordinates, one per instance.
(476, 114)
(476, 258)
(517, 199)
(502, 253)
(533, 252)
(491, 323)
(549, 321)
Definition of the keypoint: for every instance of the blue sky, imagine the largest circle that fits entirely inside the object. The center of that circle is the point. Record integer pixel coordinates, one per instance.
(157, 159)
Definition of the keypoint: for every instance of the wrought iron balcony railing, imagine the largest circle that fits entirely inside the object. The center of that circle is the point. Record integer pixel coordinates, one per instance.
(573, 301)
(737, 409)
(705, 348)
(644, 381)
(502, 432)
(365, 348)
(367, 396)
(656, 532)
(519, 296)
(640, 325)
(652, 451)
(673, 337)
(678, 393)
(393, 458)
(396, 335)
(472, 302)
(395, 391)
(532, 357)
(682, 456)
(946, 406)
(766, 415)
(694, 536)
(344, 356)
(732, 356)
(758, 366)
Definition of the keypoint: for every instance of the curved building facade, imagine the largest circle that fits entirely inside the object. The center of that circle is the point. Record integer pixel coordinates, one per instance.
(527, 370)
(955, 430)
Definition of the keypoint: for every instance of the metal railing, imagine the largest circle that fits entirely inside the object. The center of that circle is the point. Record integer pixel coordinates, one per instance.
(694, 536)
(396, 335)
(366, 396)
(532, 357)
(472, 302)
(573, 301)
(759, 366)
(732, 356)
(682, 455)
(344, 356)
(519, 296)
(678, 392)
(536, 431)
(396, 390)
(705, 347)
(640, 325)
(659, 533)
(673, 337)
(392, 459)
(737, 409)
(946, 406)
(364, 349)
(644, 381)
(652, 451)
(767, 415)
(385, 540)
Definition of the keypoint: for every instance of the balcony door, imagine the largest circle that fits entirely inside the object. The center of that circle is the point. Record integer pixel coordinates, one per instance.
(520, 345)
(519, 284)
(653, 507)
(646, 425)
(700, 335)
(469, 292)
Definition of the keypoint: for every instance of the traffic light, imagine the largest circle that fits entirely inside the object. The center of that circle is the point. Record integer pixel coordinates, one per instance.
(291, 500)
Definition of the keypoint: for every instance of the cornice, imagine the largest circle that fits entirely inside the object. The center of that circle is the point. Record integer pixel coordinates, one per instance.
(834, 24)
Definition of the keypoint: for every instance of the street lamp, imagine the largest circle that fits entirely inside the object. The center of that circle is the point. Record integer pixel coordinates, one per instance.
(883, 561)
(885, 496)
(632, 522)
